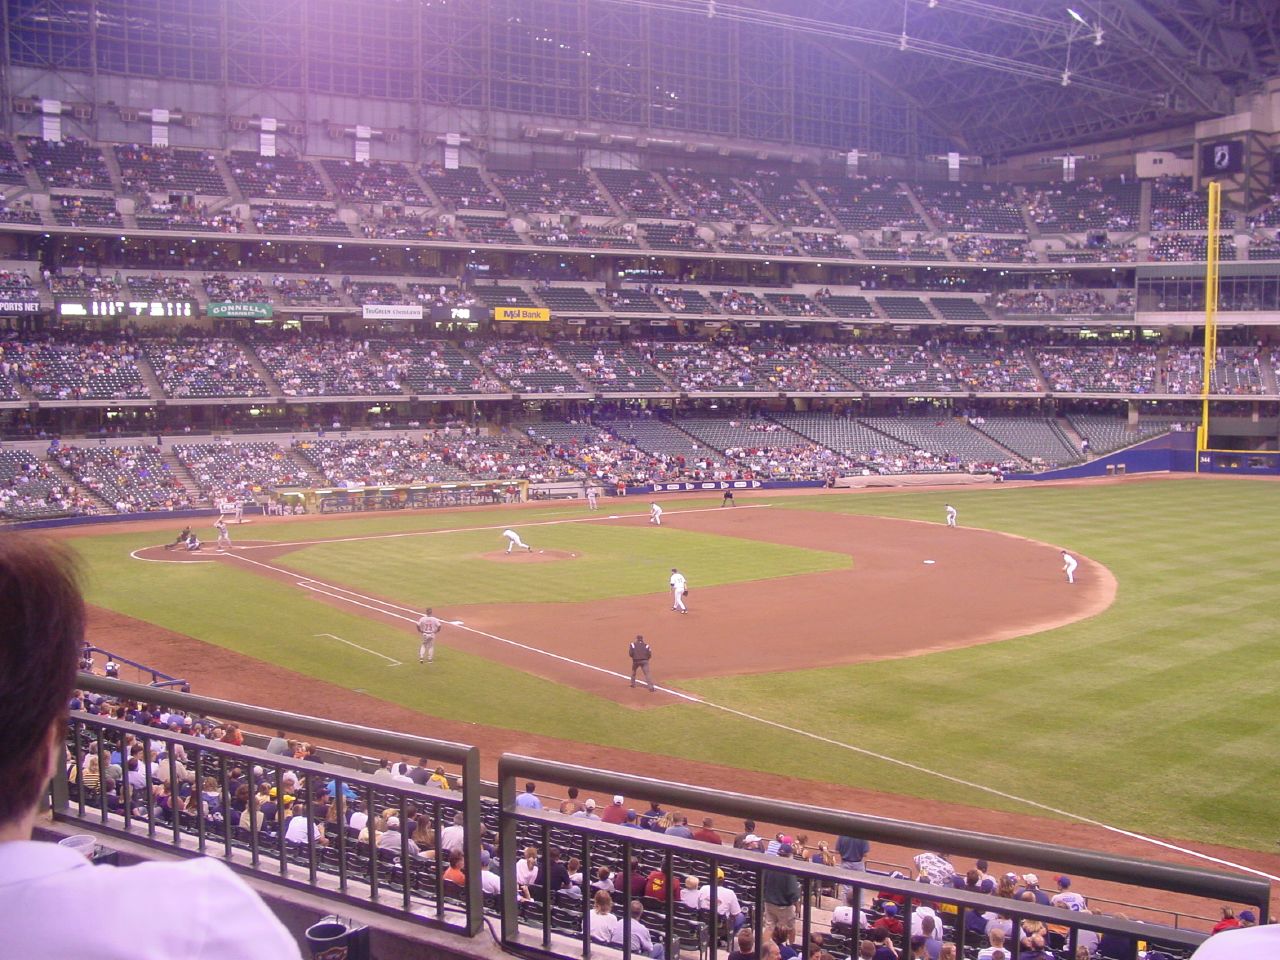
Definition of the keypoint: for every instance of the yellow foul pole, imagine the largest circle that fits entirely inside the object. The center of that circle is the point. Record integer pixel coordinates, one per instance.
(1210, 316)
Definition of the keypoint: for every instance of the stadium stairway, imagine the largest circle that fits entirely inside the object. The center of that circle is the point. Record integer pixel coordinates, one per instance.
(28, 172)
(1066, 428)
(667, 189)
(923, 214)
(228, 181)
(1144, 208)
(601, 189)
(117, 180)
(261, 370)
(812, 194)
(66, 478)
(1033, 228)
(149, 378)
(180, 473)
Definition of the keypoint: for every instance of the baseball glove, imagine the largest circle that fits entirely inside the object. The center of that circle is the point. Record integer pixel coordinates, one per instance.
(685, 594)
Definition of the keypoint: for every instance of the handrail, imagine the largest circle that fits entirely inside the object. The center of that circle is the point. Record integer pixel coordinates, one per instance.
(1229, 887)
(466, 757)
(158, 678)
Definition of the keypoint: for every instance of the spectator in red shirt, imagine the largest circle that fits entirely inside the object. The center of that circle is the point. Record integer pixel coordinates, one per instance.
(889, 922)
(706, 833)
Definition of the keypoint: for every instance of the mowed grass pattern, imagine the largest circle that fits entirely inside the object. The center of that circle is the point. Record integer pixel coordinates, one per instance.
(1156, 716)
(612, 560)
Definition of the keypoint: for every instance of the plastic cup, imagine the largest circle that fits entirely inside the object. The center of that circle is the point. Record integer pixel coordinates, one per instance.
(83, 843)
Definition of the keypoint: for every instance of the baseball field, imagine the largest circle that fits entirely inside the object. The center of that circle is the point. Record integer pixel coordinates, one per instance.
(822, 651)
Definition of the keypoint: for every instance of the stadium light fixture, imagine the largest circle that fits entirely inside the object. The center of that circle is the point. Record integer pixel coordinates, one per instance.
(1077, 18)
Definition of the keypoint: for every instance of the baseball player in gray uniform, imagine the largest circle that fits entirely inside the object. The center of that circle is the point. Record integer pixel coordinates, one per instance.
(428, 627)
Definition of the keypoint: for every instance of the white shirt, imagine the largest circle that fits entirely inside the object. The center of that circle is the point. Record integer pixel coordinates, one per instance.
(296, 831)
(678, 581)
(359, 819)
(451, 838)
(1068, 900)
(1069, 562)
(604, 926)
(725, 898)
(1263, 941)
(428, 626)
(690, 898)
(194, 909)
(490, 882)
(844, 914)
(655, 509)
(511, 535)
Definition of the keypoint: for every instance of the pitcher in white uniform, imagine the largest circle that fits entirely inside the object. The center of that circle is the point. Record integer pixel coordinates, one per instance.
(513, 541)
(678, 586)
(655, 513)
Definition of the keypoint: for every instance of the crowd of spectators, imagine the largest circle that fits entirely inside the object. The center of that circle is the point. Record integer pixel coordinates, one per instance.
(529, 367)
(203, 368)
(301, 220)
(76, 210)
(227, 471)
(990, 367)
(275, 178)
(29, 490)
(1089, 204)
(714, 197)
(979, 249)
(331, 367)
(973, 207)
(395, 459)
(132, 479)
(164, 215)
(375, 181)
(77, 369)
(305, 291)
(236, 288)
(146, 169)
(1166, 247)
(553, 233)
(396, 224)
(1092, 302)
(1099, 369)
(71, 163)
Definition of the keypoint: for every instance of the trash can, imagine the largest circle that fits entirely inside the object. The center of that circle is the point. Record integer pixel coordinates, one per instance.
(332, 938)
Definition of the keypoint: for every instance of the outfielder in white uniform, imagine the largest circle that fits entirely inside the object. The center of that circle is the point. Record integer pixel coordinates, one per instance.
(224, 535)
(951, 515)
(513, 541)
(655, 513)
(592, 494)
(678, 587)
(1069, 564)
(428, 627)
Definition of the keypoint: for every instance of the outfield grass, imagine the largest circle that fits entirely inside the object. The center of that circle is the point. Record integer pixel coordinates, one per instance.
(1155, 716)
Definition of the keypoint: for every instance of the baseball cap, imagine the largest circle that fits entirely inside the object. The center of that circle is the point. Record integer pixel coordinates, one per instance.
(891, 909)
(590, 804)
(784, 850)
(1064, 882)
(484, 858)
(618, 799)
(1030, 878)
(782, 838)
(1248, 916)
(393, 823)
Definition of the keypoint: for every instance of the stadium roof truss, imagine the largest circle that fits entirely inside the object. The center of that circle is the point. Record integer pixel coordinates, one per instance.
(905, 77)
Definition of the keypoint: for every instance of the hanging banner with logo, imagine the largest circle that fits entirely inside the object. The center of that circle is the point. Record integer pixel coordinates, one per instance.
(241, 311)
(521, 315)
(267, 138)
(392, 311)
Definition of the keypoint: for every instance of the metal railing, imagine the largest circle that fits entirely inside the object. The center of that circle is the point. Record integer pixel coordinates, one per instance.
(158, 679)
(166, 804)
(559, 926)
(184, 789)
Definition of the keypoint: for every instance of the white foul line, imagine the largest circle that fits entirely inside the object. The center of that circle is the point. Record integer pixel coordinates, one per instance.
(333, 636)
(388, 609)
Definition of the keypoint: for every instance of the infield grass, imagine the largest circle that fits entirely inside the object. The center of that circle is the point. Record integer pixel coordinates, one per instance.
(1159, 715)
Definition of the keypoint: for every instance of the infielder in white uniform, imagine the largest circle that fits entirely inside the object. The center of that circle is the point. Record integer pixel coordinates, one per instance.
(428, 627)
(951, 515)
(678, 587)
(224, 535)
(592, 494)
(655, 513)
(1069, 564)
(513, 541)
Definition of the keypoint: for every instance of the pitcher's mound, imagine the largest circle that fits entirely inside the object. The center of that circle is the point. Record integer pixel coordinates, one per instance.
(524, 556)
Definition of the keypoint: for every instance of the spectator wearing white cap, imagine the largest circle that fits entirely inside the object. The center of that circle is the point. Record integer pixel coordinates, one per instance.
(1031, 885)
(588, 811)
(615, 813)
